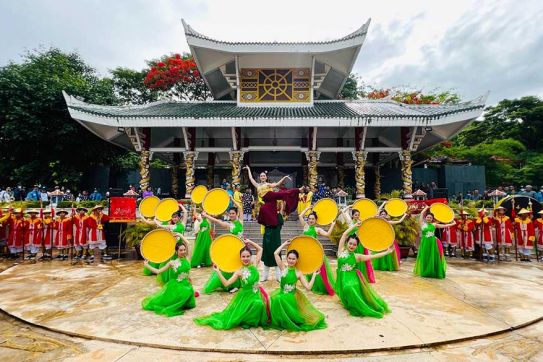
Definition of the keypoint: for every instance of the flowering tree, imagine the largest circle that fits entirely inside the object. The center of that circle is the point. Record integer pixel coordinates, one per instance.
(177, 77)
(411, 96)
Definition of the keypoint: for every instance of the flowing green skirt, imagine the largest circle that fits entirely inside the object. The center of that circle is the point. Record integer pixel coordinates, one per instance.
(430, 262)
(389, 262)
(214, 283)
(294, 312)
(200, 255)
(247, 309)
(358, 297)
(324, 282)
(172, 299)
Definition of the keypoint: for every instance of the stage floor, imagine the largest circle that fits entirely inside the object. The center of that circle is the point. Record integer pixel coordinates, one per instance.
(102, 302)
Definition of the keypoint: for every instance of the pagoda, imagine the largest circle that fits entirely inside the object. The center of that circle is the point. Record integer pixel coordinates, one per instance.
(276, 106)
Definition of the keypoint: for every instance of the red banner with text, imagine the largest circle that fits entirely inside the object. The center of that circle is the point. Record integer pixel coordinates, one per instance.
(122, 209)
(416, 206)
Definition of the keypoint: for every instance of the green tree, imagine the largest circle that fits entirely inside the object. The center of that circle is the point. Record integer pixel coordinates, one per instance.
(40, 142)
(350, 89)
(129, 87)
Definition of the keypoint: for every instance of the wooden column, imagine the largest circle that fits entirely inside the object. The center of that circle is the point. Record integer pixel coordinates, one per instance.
(377, 170)
(175, 169)
(145, 156)
(210, 177)
(340, 165)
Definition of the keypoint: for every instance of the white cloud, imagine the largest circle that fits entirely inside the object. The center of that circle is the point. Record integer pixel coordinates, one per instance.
(471, 46)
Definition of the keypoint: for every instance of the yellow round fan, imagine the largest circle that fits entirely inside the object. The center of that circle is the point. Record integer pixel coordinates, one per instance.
(310, 251)
(366, 207)
(148, 206)
(326, 210)
(224, 252)
(216, 202)
(442, 212)
(198, 193)
(376, 234)
(158, 245)
(165, 209)
(396, 207)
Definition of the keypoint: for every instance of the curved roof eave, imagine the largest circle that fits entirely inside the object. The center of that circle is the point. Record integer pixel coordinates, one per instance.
(196, 39)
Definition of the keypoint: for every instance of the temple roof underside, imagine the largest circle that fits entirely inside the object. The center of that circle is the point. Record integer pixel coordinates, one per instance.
(277, 128)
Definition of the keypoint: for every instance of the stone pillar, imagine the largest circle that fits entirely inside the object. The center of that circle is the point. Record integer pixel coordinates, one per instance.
(359, 158)
(190, 158)
(377, 185)
(312, 162)
(236, 158)
(407, 175)
(175, 181)
(144, 169)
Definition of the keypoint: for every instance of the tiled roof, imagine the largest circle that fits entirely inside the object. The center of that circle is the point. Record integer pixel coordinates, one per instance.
(320, 109)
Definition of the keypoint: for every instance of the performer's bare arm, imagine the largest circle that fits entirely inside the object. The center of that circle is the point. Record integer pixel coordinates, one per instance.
(363, 257)
(255, 184)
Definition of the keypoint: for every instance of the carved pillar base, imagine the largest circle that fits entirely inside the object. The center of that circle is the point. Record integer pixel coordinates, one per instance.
(312, 163)
(236, 158)
(359, 158)
(377, 185)
(144, 169)
(190, 158)
(407, 174)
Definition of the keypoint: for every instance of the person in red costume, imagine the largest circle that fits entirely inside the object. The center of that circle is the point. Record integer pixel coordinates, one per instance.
(450, 240)
(483, 234)
(538, 223)
(63, 227)
(504, 232)
(81, 233)
(33, 234)
(17, 226)
(525, 234)
(466, 227)
(97, 237)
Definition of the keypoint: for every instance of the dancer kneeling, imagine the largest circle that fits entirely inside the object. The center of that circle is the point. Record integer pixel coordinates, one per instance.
(290, 308)
(354, 291)
(249, 308)
(177, 294)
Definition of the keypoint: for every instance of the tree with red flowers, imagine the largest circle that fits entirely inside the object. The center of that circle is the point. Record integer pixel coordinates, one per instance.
(177, 77)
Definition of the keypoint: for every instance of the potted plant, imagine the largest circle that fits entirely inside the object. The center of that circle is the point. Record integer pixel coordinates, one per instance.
(407, 233)
(135, 233)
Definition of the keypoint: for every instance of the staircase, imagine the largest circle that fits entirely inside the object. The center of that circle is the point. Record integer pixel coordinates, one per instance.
(291, 229)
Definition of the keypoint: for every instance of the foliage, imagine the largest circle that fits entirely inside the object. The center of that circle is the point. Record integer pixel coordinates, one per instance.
(407, 231)
(134, 234)
(129, 86)
(130, 160)
(41, 143)
(178, 77)
(411, 96)
(394, 194)
(350, 89)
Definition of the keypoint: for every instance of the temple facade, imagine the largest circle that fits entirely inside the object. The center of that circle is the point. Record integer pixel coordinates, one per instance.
(276, 107)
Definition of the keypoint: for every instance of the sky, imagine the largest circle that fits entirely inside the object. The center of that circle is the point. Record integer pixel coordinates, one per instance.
(466, 46)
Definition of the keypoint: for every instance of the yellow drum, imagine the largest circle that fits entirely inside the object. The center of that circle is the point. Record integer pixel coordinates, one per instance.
(216, 202)
(224, 252)
(158, 245)
(198, 193)
(148, 206)
(366, 207)
(165, 209)
(442, 212)
(396, 207)
(326, 210)
(310, 251)
(376, 234)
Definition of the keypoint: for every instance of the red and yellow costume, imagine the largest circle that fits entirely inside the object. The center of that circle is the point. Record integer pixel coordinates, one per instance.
(450, 235)
(17, 227)
(63, 232)
(538, 224)
(466, 226)
(504, 230)
(33, 234)
(95, 225)
(81, 232)
(484, 224)
(48, 231)
(525, 233)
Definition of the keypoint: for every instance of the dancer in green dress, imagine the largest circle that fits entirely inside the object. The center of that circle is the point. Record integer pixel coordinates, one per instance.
(235, 227)
(290, 308)
(325, 282)
(354, 291)
(200, 255)
(177, 294)
(430, 260)
(390, 262)
(365, 267)
(250, 307)
(177, 226)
